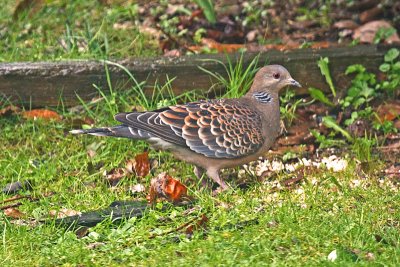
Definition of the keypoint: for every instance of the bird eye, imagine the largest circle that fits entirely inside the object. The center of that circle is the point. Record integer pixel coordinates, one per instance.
(276, 75)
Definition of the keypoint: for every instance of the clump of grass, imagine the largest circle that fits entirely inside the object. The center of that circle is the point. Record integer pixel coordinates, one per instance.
(239, 78)
(72, 29)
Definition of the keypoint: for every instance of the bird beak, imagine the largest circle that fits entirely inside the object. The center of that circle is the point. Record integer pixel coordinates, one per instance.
(293, 82)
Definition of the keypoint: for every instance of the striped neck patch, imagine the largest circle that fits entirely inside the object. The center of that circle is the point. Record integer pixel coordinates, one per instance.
(263, 97)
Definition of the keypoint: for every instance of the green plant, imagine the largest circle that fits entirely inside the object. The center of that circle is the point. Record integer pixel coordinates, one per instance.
(208, 10)
(383, 33)
(391, 67)
(288, 106)
(317, 94)
(239, 78)
(326, 141)
(330, 122)
(323, 66)
(362, 147)
(362, 89)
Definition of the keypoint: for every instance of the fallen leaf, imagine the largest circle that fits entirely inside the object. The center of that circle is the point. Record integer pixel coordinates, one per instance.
(62, 213)
(345, 24)
(82, 232)
(137, 188)
(200, 224)
(140, 165)
(371, 14)
(367, 32)
(14, 213)
(388, 111)
(41, 114)
(31, 6)
(115, 175)
(166, 187)
(9, 110)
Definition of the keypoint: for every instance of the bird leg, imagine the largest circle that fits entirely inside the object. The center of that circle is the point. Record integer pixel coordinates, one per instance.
(214, 174)
(198, 171)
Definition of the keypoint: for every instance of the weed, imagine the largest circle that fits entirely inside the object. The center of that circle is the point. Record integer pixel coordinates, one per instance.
(288, 106)
(363, 90)
(208, 10)
(239, 78)
(383, 33)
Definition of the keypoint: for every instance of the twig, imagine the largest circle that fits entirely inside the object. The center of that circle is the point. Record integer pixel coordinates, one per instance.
(13, 198)
(176, 229)
(11, 206)
(18, 197)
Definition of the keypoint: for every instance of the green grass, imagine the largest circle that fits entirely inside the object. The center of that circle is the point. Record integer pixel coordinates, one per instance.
(255, 226)
(72, 30)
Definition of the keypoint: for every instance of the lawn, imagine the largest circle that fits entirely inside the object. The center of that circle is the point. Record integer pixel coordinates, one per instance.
(351, 212)
(287, 209)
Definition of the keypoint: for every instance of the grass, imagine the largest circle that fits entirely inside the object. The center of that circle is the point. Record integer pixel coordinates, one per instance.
(349, 211)
(72, 30)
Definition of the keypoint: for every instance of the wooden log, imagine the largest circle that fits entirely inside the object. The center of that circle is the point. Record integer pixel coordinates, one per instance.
(48, 83)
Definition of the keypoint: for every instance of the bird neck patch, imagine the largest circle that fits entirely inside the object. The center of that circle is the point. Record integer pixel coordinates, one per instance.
(263, 97)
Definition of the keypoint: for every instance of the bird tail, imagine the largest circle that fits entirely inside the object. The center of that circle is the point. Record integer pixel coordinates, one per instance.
(115, 131)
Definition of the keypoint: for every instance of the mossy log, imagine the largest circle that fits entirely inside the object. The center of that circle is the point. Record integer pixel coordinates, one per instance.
(50, 83)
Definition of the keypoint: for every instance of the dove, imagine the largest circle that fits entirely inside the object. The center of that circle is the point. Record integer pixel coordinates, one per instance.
(211, 134)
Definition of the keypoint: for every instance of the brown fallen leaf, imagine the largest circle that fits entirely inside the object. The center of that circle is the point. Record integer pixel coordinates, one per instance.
(165, 186)
(41, 114)
(371, 14)
(62, 213)
(367, 32)
(345, 24)
(200, 224)
(9, 110)
(388, 111)
(115, 175)
(14, 213)
(31, 6)
(82, 232)
(140, 165)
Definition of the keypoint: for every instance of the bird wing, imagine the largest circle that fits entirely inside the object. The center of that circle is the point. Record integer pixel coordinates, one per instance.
(214, 128)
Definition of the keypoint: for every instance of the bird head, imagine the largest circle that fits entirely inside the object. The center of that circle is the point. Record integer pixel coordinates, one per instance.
(272, 78)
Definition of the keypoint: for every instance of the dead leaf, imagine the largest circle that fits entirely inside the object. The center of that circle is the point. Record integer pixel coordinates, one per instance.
(82, 232)
(345, 24)
(166, 187)
(371, 14)
(9, 110)
(367, 32)
(140, 165)
(115, 175)
(172, 53)
(62, 213)
(21, 222)
(41, 114)
(137, 188)
(14, 213)
(126, 25)
(200, 224)
(388, 111)
(31, 6)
